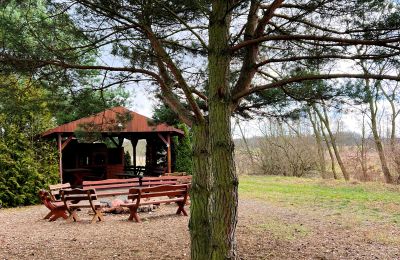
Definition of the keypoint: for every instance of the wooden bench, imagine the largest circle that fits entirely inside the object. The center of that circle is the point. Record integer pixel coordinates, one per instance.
(57, 208)
(55, 190)
(177, 179)
(117, 187)
(157, 195)
(75, 199)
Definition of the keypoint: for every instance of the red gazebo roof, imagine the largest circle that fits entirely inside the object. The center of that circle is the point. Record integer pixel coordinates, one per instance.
(117, 120)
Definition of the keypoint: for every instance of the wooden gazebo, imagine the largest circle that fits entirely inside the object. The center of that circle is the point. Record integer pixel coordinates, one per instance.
(115, 124)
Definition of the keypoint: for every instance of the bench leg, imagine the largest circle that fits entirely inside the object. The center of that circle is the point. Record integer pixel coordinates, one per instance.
(97, 216)
(58, 214)
(48, 215)
(133, 214)
(181, 209)
(73, 216)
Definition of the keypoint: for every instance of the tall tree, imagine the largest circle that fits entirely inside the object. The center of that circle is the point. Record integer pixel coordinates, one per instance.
(324, 118)
(26, 163)
(318, 138)
(67, 106)
(206, 57)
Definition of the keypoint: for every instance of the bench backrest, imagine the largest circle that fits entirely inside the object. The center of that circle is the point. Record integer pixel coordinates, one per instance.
(158, 191)
(109, 181)
(111, 184)
(135, 182)
(176, 179)
(77, 195)
(55, 190)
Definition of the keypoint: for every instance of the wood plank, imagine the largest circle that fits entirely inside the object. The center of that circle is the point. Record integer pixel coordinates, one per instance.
(159, 193)
(109, 181)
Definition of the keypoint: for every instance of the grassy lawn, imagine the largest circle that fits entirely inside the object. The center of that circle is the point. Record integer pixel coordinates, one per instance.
(362, 201)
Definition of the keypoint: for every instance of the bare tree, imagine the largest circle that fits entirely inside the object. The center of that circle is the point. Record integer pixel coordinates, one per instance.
(318, 139)
(372, 94)
(324, 118)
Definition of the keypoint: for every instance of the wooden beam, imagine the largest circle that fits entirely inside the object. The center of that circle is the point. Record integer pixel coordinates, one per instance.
(163, 139)
(66, 142)
(167, 142)
(169, 153)
(59, 144)
(120, 141)
(134, 143)
(112, 140)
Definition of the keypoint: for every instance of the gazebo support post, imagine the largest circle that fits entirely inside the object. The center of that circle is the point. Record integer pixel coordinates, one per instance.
(134, 142)
(169, 153)
(167, 142)
(59, 144)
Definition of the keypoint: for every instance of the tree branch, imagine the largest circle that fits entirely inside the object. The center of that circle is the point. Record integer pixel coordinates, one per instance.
(328, 56)
(202, 42)
(337, 40)
(297, 79)
(156, 44)
(42, 63)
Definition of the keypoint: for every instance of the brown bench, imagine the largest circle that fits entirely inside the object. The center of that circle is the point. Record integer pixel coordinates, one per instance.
(55, 190)
(178, 179)
(111, 187)
(157, 195)
(57, 208)
(116, 187)
(75, 199)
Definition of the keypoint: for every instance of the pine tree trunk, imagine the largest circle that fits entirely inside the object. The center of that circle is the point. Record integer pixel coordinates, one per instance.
(200, 229)
(225, 181)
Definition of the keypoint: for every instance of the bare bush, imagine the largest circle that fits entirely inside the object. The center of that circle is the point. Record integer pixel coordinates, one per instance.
(283, 150)
(287, 156)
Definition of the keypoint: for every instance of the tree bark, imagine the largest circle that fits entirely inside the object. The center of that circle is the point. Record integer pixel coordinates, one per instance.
(225, 186)
(199, 224)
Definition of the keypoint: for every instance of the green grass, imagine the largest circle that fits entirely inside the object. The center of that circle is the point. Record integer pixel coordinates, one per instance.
(364, 201)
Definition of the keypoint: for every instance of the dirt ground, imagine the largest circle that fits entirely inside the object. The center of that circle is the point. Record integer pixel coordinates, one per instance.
(264, 231)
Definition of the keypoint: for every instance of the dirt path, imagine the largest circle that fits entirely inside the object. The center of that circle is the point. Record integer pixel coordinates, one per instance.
(264, 232)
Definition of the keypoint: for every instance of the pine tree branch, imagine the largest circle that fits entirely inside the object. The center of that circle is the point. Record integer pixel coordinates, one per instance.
(336, 40)
(328, 56)
(298, 79)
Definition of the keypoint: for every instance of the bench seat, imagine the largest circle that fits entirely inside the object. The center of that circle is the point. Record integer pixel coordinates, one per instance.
(157, 195)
